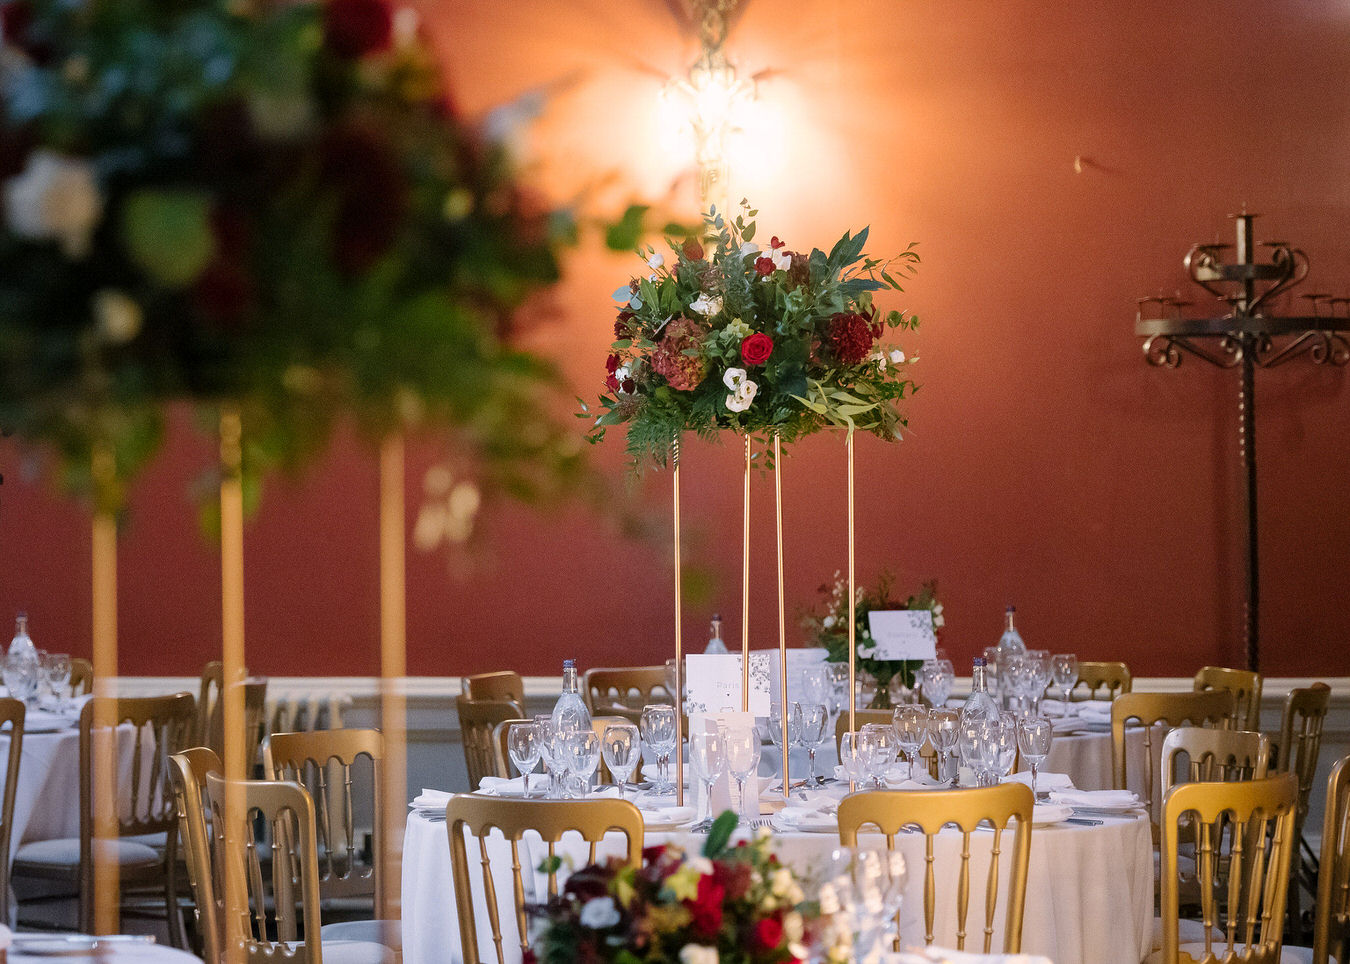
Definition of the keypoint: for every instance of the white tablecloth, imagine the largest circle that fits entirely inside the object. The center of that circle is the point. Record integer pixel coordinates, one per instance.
(1089, 889)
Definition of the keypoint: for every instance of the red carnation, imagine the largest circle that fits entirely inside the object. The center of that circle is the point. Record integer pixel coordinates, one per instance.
(756, 348)
(850, 337)
(705, 910)
(768, 933)
(764, 266)
(354, 28)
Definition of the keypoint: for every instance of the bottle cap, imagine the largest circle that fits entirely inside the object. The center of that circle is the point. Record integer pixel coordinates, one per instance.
(979, 661)
(1012, 608)
(569, 664)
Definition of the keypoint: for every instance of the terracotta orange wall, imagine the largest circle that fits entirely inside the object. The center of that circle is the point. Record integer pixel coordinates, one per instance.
(1048, 465)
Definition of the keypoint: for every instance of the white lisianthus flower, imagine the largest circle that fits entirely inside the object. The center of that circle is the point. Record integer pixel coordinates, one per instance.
(599, 912)
(740, 399)
(827, 622)
(698, 954)
(117, 315)
(897, 356)
(879, 357)
(55, 198)
(656, 260)
(748, 248)
(781, 258)
(706, 305)
(733, 378)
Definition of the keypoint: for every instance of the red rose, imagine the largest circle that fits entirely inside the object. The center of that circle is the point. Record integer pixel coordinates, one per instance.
(768, 933)
(353, 28)
(850, 337)
(756, 348)
(764, 266)
(705, 910)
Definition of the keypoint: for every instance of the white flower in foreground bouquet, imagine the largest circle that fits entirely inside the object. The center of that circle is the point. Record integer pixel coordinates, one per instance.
(706, 305)
(599, 913)
(698, 954)
(742, 389)
(55, 198)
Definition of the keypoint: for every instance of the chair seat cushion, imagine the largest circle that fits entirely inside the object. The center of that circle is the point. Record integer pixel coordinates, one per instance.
(1188, 932)
(386, 932)
(1295, 955)
(64, 852)
(354, 952)
(1194, 950)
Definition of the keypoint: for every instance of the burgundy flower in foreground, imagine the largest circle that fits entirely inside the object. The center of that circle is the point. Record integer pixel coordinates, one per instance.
(764, 267)
(850, 337)
(756, 348)
(354, 28)
(768, 933)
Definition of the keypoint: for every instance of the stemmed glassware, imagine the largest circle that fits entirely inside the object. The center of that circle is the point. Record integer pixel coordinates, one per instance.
(743, 750)
(621, 750)
(708, 758)
(853, 751)
(56, 671)
(814, 729)
(978, 739)
(1005, 746)
(1015, 677)
(1033, 739)
(550, 752)
(658, 732)
(943, 728)
(879, 742)
(936, 678)
(794, 732)
(582, 749)
(524, 746)
(911, 725)
(1064, 671)
(1039, 673)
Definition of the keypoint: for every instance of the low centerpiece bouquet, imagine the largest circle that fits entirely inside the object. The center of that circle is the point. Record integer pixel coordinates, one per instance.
(827, 626)
(733, 904)
(726, 332)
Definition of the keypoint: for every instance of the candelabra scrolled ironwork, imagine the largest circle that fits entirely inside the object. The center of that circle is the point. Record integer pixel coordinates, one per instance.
(1247, 337)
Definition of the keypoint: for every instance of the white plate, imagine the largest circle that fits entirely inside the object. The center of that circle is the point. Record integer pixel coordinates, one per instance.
(55, 947)
(823, 823)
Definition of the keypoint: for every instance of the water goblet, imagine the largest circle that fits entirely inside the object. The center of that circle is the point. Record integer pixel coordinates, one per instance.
(1033, 739)
(658, 732)
(1005, 744)
(1064, 671)
(554, 765)
(621, 749)
(524, 746)
(976, 743)
(708, 757)
(881, 746)
(56, 672)
(910, 723)
(1015, 675)
(943, 729)
(743, 751)
(815, 684)
(794, 731)
(583, 749)
(815, 726)
(853, 756)
(1040, 675)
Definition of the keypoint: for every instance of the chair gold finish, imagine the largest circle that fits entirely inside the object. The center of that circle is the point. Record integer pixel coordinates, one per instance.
(551, 819)
(1297, 752)
(1248, 829)
(1245, 685)
(1113, 677)
(1213, 756)
(1331, 929)
(213, 736)
(159, 726)
(188, 770)
(1149, 710)
(323, 762)
(12, 712)
(81, 676)
(501, 685)
(890, 811)
(499, 743)
(624, 691)
(208, 695)
(477, 720)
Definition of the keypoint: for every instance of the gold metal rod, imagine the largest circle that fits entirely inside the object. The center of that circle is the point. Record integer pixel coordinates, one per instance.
(232, 634)
(745, 590)
(103, 545)
(678, 695)
(852, 601)
(393, 668)
(782, 610)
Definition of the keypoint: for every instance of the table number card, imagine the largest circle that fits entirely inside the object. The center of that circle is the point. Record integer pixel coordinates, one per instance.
(903, 633)
(713, 683)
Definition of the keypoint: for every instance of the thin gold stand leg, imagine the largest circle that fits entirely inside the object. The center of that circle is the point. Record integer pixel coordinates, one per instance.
(782, 610)
(678, 695)
(745, 589)
(232, 627)
(106, 896)
(852, 604)
(393, 671)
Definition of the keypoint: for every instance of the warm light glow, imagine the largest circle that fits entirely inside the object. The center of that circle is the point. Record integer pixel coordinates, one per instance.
(718, 103)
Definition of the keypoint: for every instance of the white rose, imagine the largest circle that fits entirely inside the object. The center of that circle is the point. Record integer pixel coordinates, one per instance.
(781, 258)
(897, 356)
(698, 954)
(740, 399)
(656, 260)
(733, 378)
(599, 912)
(706, 305)
(117, 315)
(55, 198)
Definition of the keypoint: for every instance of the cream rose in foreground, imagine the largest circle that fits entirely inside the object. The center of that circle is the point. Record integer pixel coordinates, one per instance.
(741, 397)
(698, 954)
(55, 198)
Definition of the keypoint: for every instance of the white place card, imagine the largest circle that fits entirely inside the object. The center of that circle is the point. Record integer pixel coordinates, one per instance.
(713, 683)
(903, 633)
(798, 660)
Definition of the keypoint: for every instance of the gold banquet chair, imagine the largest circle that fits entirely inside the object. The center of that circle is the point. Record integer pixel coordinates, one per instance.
(502, 685)
(1247, 828)
(188, 770)
(551, 819)
(1212, 755)
(1331, 929)
(477, 720)
(81, 677)
(1245, 685)
(259, 921)
(1297, 752)
(1112, 677)
(624, 691)
(11, 712)
(891, 811)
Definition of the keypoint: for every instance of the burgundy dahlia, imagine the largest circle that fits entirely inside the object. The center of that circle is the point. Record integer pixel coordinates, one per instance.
(850, 337)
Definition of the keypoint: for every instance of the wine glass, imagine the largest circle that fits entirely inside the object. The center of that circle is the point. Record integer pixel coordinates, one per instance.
(56, 671)
(976, 742)
(1033, 739)
(1014, 675)
(815, 684)
(621, 749)
(880, 875)
(554, 764)
(523, 744)
(879, 739)
(1005, 746)
(943, 729)
(910, 722)
(743, 750)
(794, 731)
(933, 684)
(708, 757)
(853, 756)
(815, 723)
(658, 732)
(1039, 673)
(1064, 671)
(583, 751)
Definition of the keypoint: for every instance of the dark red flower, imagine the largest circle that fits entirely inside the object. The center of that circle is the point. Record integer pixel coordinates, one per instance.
(756, 348)
(527, 956)
(354, 28)
(799, 273)
(764, 266)
(775, 244)
(360, 167)
(223, 292)
(768, 933)
(705, 910)
(693, 251)
(850, 337)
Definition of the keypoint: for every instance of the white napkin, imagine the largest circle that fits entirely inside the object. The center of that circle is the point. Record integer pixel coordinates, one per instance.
(1098, 799)
(1044, 780)
(1095, 712)
(804, 818)
(941, 955)
(668, 816)
(1050, 813)
(897, 778)
(431, 800)
(501, 785)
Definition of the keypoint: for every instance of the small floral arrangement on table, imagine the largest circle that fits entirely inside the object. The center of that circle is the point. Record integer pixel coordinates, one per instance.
(759, 339)
(734, 905)
(827, 626)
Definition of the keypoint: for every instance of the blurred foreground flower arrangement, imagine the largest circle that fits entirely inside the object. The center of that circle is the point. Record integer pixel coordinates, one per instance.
(270, 205)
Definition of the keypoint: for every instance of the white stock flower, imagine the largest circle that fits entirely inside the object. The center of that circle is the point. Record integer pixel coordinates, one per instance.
(117, 315)
(706, 305)
(781, 882)
(827, 622)
(698, 954)
(55, 198)
(741, 397)
(599, 912)
(939, 621)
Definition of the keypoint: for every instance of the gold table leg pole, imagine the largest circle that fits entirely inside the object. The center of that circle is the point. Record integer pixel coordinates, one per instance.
(782, 610)
(678, 695)
(232, 632)
(745, 589)
(852, 605)
(106, 897)
(393, 670)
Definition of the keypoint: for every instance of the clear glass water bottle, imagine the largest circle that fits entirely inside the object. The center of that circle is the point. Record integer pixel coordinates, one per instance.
(22, 644)
(980, 707)
(1009, 644)
(570, 712)
(715, 643)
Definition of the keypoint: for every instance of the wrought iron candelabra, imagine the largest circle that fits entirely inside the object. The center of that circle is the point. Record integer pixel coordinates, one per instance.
(1247, 337)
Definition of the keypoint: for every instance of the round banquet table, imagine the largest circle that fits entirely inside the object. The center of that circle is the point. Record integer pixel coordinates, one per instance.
(1089, 888)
